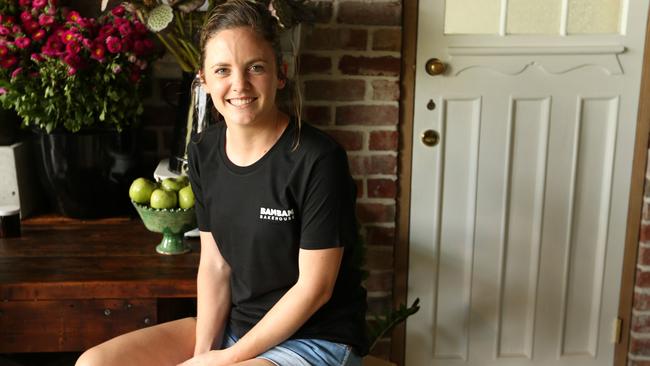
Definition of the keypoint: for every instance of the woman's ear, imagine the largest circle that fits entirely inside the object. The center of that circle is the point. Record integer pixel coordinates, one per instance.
(202, 78)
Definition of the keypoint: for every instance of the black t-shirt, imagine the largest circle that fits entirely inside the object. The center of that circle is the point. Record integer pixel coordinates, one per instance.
(262, 214)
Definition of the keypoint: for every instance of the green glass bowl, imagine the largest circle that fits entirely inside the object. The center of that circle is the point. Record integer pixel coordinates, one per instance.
(172, 223)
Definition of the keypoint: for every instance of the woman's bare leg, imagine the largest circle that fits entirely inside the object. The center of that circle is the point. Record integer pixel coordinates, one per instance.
(164, 344)
(255, 362)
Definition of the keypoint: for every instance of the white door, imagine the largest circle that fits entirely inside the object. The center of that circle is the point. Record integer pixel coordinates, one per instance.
(518, 215)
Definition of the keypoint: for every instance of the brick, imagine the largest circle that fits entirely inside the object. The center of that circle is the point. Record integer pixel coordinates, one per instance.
(350, 140)
(359, 165)
(642, 279)
(379, 305)
(383, 164)
(376, 235)
(376, 213)
(379, 259)
(367, 115)
(312, 64)
(641, 323)
(385, 90)
(335, 90)
(322, 11)
(370, 13)
(646, 211)
(640, 347)
(641, 302)
(382, 188)
(317, 115)
(389, 39)
(380, 281)
(370, 66)
(376, 164)
(384, 140)
(645, 232)
(328, 39)
(360, 190)
(644, 256)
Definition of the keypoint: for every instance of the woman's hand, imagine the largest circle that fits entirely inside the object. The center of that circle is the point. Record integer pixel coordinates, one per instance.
(212, 358)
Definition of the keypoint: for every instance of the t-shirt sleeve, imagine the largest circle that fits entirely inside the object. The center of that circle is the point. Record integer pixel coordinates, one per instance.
(327, 199)
(194, 173)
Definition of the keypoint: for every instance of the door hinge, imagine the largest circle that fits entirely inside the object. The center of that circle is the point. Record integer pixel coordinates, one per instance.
(616, 330)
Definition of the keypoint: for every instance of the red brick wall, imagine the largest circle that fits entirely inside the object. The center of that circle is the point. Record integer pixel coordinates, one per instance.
(639, 354)
(350, 69)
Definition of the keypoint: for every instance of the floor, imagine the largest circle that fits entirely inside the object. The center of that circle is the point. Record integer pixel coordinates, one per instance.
(38, 359)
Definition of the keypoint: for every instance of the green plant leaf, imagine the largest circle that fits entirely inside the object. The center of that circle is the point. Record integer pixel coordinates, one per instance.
(379, 326)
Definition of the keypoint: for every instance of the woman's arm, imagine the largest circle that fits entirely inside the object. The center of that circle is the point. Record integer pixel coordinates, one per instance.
(318, 271)
(213, 295)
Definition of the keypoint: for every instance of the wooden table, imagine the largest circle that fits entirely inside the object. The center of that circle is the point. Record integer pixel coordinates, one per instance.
(66, 285)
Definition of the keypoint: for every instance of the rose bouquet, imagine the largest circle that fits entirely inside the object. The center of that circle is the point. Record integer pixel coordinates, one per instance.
(59, 69)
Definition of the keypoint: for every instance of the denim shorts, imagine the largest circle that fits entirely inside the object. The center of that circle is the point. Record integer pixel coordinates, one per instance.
(304, 352)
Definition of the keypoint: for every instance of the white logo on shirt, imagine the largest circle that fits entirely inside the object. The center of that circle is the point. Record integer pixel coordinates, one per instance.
(274, 214)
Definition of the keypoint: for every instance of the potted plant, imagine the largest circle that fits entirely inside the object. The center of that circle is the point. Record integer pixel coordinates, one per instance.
(77, 82)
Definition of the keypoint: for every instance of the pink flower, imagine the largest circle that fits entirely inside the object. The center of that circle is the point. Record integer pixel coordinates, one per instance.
(116, 69)
(98, 52)
(16, 72)
(38, 4)
(16, 29)
(3, 91)
(53, 47)
(26, 16)
(23, 42)
(45, 19)
(73, 48)
(125, 29)
(3, 51)
(139, 48)
(118, 11)
(71, 70)
(31, 26)
(69, 36)
(37, 58)
(73, 16)
(4, 31)
(73, 60)
(86, 43)
(40, 34)
(10, 20)
(24, 3)
(140, 28)
(8, 62)
(113, 44)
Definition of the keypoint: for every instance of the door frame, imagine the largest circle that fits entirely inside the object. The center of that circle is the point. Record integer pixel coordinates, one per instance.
(635, 201)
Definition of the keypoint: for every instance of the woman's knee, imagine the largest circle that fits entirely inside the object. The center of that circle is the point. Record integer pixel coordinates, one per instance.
(92, 357)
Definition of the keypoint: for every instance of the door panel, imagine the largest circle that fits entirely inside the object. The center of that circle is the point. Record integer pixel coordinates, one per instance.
(518, 214)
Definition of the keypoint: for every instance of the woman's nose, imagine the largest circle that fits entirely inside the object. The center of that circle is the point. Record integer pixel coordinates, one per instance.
(239, 81)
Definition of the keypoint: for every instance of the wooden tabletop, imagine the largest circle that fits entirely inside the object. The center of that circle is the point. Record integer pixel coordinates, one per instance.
(59, 258)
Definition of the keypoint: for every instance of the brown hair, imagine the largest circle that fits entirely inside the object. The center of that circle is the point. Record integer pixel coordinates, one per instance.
(249, 13)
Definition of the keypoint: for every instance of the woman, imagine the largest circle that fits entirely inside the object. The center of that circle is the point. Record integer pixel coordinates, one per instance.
(279, 280)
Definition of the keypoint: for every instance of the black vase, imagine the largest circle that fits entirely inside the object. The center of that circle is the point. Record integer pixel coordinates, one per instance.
(87, 174)
(8, 126)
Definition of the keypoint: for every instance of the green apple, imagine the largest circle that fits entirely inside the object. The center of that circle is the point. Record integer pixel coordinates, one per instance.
(186, 197)
(141, 189)
(185, 181)
(172, 184)
(161, 198)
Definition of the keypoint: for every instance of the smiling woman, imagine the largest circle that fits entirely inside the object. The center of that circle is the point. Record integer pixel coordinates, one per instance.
(279, 282)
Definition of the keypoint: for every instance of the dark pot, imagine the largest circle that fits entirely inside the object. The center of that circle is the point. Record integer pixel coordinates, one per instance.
(9, 124)
(87, 174)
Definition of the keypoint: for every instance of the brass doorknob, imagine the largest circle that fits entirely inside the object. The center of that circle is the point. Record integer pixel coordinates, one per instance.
(435, 67)
(430, 137)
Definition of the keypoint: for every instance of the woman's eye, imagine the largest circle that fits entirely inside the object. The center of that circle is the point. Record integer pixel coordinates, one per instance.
(257, 68)
(221, 71)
